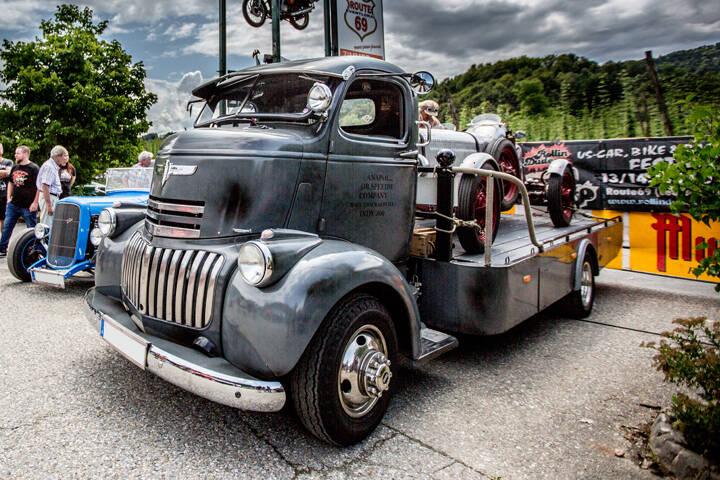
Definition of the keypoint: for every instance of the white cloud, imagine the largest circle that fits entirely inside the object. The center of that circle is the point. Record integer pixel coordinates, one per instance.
(169, 114)
(183, 31)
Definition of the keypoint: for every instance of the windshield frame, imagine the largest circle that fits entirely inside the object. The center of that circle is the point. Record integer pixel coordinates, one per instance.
(129, 173)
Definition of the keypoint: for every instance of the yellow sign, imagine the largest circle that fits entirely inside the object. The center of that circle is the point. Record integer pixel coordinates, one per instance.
(667, 244)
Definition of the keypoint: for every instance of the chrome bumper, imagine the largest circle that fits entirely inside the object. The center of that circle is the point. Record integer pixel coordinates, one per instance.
(212, 378)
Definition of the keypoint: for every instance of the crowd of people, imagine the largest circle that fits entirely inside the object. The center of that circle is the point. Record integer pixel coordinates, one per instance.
(30, 191)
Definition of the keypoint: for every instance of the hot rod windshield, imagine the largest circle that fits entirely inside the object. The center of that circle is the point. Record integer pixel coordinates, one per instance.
(279, 96)
(128, 178)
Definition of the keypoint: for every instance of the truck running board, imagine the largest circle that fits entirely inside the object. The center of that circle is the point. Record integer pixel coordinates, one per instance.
(434, 344)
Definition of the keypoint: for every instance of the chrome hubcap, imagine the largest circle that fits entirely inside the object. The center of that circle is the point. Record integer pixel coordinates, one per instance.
(364, 371)
(586, 285)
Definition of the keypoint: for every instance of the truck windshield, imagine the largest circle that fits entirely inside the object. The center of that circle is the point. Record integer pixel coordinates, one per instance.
(283, 95)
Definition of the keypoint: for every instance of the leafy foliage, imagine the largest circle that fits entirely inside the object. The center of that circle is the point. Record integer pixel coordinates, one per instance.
(694, 177)
(72, 89)
(690, 356)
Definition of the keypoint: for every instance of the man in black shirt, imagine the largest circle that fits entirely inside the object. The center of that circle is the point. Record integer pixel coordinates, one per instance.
(5, 166)
(22, 198)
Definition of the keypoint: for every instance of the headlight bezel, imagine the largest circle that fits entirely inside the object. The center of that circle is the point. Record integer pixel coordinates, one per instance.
(45, 231)
(262, 253)
(110, 223)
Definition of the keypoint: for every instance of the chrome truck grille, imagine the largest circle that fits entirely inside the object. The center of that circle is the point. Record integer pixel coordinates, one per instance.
(174, 218)
(63, 236)
(173, 285)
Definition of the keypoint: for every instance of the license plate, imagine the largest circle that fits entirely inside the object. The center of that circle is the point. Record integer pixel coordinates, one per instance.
(49, 278)
(127, 343)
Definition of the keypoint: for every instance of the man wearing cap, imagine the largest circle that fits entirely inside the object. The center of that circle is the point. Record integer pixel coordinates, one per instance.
(48, 182)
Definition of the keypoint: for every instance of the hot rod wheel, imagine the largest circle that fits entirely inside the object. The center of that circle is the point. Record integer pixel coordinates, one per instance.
(504, 153)
(561, 197)
(23, 251)
(472, 197)
(341, 386)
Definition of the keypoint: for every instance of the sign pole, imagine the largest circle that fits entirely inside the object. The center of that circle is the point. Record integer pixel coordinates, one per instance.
(328, 37)
(222, 67)
(276, 30)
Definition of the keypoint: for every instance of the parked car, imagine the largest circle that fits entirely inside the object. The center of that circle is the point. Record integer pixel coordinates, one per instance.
(51, 255)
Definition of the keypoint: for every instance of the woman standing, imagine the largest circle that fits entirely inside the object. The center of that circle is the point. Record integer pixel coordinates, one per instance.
(67, 179)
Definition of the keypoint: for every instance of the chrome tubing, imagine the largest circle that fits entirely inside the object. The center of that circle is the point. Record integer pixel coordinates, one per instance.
(523, 192)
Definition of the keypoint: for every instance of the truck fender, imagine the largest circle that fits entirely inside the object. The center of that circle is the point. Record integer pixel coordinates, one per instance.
(476, 160)
(583, 247)
(266, 330)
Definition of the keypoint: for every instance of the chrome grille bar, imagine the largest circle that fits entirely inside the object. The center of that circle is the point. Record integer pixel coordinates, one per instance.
(170, 284)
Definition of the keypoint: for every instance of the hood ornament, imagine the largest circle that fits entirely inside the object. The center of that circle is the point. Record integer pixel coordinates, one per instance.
(173, 169)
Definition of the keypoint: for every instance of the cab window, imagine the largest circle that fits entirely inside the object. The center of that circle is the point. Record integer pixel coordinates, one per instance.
(373, 108)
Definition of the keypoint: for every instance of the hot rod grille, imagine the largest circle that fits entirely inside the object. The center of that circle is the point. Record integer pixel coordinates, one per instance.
(173, 285)
(64, 234)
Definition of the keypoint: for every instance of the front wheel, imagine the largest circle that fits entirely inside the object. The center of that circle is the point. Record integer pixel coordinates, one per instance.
(341, 386)
(561, 198)
(300, 22)
(472, 199)
(255, 12)
(23, 251)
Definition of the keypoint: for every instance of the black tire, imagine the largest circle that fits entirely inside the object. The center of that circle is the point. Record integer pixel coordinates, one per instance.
(561, 198)
(504, 153)
(320, 389)
(300, 22)
(23, 251)
(471, 206)
(255, 12)
(579, 303)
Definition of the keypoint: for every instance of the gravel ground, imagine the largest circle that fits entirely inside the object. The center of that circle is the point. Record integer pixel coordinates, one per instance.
(549, 399)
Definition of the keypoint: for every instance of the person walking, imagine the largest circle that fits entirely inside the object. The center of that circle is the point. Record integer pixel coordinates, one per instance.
(21, 195)
(48, 182)
(5, 167)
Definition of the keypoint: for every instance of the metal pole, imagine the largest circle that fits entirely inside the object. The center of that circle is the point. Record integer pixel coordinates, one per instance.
(276, 30)
(328, 36)
(222, 67)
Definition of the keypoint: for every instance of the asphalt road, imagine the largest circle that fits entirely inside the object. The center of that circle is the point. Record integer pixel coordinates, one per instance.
(551, 399)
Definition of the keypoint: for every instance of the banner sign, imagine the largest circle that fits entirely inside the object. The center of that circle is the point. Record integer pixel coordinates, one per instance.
(612, 172)
(360, 29)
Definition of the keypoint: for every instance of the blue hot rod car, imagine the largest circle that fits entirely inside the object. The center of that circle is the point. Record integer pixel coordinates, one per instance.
(51, 255)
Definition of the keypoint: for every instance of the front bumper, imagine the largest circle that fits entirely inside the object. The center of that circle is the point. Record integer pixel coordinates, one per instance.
(212, 378)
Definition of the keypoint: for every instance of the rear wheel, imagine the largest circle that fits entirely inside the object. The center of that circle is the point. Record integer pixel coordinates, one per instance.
(504, 153)
(255, 12)
(23, 251)
(561, 198)
(579, 303)
(472, 199)
(341, 386)
(300, 22)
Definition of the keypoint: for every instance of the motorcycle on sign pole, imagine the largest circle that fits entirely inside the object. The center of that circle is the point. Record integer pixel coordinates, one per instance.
(297, 12)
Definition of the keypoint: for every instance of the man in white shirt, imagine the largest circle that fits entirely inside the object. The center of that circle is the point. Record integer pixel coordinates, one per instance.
(48, 182)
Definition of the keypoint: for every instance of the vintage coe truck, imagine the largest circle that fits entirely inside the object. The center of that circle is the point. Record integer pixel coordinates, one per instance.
(280, 256)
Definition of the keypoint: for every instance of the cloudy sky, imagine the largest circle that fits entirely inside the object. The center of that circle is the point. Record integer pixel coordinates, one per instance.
(178, 40)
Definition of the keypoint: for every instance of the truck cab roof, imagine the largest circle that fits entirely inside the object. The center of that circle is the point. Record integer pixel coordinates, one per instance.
(332, 66)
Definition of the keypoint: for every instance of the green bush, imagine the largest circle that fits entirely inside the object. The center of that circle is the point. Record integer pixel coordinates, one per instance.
(690, 356)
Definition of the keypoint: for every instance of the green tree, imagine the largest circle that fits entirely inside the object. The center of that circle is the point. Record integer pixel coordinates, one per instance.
(531, 96)
(71, 88)
(693, 177)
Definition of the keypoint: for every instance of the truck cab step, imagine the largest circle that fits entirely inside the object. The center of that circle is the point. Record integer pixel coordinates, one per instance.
(434, 344)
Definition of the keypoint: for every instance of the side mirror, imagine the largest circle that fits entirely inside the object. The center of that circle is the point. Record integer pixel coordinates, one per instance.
(520, 134)
(319, 98)
(189, 106)
(422, 82)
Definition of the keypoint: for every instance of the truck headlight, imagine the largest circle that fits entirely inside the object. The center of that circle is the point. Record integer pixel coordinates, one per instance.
(255, 263)
(107, 221)
(96, 237)
(41, 231)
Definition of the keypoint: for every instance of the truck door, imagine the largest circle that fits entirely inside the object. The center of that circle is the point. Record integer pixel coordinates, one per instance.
(369, 188)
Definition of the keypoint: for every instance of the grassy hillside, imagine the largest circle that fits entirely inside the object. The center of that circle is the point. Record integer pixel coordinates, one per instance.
(571, 97)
